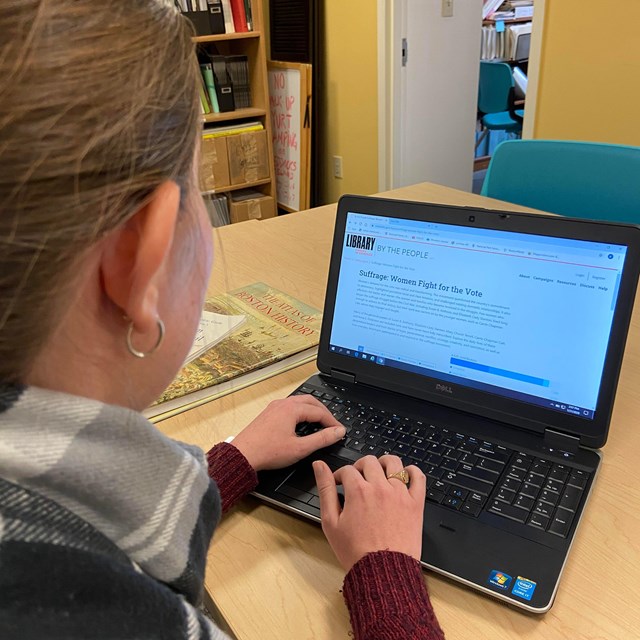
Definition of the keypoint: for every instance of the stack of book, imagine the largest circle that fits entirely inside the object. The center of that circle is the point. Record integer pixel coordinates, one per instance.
(217, 17)
(225, 84)
(218, 209)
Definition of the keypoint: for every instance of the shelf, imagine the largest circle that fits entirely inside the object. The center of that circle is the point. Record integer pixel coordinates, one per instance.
(236, 187)
(490, 21)
(238, 114)
(223, 37)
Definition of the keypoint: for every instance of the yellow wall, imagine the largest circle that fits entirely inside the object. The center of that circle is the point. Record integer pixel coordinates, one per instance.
(350, 102)
(589, 82)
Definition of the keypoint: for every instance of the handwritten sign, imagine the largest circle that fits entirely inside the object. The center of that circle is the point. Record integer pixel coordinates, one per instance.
(286, 109)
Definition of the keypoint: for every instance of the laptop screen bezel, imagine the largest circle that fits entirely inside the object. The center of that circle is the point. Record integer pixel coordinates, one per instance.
(592, 432)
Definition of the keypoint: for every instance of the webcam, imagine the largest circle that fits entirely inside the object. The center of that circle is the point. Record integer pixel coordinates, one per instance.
(472, 218)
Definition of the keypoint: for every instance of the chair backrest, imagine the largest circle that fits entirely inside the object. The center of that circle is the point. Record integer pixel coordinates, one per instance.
(578, 179)
(496, 80)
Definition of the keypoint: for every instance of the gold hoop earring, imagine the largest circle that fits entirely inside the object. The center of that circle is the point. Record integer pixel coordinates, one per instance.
(141, 354)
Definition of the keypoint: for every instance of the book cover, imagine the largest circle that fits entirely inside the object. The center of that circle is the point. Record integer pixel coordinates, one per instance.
(276, 327)
(239, 16)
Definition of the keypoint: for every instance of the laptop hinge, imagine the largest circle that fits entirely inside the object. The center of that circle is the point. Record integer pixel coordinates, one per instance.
(342, 376)
(561, 443)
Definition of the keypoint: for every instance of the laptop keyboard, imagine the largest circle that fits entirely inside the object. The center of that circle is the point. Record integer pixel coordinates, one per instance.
(464, 473)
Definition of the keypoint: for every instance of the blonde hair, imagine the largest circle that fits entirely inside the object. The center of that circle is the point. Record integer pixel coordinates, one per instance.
(98, 107)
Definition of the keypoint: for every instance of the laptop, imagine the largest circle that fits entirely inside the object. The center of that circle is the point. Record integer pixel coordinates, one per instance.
(485, 348)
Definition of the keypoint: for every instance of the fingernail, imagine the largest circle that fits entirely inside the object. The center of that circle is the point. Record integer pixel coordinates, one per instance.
(315, 465)
(340, 432)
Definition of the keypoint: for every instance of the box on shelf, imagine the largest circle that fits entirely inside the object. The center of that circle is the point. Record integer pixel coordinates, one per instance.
(248, 158)
(250, 205)
(214, 164)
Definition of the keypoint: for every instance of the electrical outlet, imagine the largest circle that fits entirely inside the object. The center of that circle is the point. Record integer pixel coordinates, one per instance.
(337, 166)
(447, 8)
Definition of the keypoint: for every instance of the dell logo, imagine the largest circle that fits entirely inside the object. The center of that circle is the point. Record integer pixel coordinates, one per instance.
(444, 387)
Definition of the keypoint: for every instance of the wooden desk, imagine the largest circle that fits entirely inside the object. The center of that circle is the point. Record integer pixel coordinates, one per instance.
(273, 575)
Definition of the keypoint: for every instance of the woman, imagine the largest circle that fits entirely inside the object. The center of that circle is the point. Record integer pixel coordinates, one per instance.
(105, 255)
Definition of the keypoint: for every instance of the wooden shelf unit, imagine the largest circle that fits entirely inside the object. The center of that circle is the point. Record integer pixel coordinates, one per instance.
(251, 44)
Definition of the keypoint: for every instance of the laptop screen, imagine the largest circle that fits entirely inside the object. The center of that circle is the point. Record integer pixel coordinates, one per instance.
(523, 316)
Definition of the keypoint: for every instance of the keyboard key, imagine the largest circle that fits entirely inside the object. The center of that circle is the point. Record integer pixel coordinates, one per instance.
(466, 483)
(559, 472)
(356, 445)
(417, 454)
(524, 502)
(507, 511)
(478, 474)
(549, 497)
(538, 521)
(439, 485)
(522, 461)
(540, 468)
(561, 523)
(449, 465)
(470, 508)
(476, 498)
(570, 498)
(511, 484)
(505, 495)
(517, 474)
(346, 454)
(577, 479)
(458, 493)
(405, 439)
(490, 465)
(469, 458)
(453, 502)
(529, 490)
(499, 453)
(552, 485)
(452, 454)
(435, 496)
(543, 509)
(534, 479)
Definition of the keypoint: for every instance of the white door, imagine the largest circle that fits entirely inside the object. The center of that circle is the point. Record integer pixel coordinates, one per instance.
(431, 112)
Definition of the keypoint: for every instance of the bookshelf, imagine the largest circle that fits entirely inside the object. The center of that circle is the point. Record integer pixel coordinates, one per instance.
(252, 45)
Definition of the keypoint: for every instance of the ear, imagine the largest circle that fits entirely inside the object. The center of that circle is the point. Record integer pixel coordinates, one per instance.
(134, 255)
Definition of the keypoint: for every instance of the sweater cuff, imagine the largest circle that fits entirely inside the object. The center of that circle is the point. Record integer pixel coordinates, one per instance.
(387, 598)
(231, 471)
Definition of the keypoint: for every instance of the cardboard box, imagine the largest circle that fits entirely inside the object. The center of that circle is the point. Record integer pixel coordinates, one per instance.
(251, 208)
(214, 164)
(248, 158)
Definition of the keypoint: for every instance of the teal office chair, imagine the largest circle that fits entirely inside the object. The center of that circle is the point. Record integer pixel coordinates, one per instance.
(496, 98)
(578, 179)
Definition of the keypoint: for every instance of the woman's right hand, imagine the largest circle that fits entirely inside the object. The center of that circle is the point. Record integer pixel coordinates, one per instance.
(378, 513)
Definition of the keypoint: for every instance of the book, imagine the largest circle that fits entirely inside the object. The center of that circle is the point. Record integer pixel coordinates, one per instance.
(207, 74)
(239, 16)
(279, 332)
(228, 17)
(213, 327)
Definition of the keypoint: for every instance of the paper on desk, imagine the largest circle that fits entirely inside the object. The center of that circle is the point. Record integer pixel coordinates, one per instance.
(213, 328)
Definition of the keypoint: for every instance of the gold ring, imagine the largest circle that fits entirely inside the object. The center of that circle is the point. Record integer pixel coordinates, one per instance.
(403, 476)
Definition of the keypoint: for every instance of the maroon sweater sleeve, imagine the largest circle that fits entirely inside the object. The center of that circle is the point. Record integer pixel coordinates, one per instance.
(388, 600)
(231, 471)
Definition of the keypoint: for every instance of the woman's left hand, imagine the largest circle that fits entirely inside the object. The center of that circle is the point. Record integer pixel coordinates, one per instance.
(270, 441)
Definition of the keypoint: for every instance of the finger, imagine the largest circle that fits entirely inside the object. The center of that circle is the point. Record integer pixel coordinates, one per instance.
(417, 483)
(370, 468)
(391, 464)
(329, 503)
(307, 412)
(319, 439)
(350, 478)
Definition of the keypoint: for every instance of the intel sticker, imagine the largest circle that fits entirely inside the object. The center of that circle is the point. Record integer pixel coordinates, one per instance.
(523, 588)
(500, 580)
